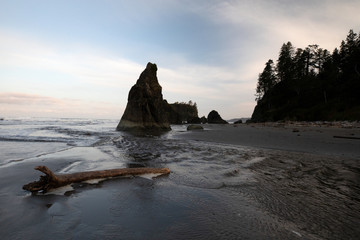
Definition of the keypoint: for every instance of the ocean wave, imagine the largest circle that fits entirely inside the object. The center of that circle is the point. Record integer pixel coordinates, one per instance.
(32, 139)
(33, 153)
(74, 132)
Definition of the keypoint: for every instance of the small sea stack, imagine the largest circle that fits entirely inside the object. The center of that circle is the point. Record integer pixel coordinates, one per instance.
(146, 109)
(214, 117)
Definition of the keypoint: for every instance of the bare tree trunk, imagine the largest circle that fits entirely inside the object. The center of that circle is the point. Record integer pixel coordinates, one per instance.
(356, 70)
(51, 180)
(325, 98)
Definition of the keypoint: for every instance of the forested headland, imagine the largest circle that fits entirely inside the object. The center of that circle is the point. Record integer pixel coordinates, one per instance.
(311, 84)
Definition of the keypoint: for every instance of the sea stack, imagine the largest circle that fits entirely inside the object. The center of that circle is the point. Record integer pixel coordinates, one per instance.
(214, 117)
(146, 109)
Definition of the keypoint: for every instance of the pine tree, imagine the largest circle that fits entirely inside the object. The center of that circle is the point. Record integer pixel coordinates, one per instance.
(299, 60)
(285, 62)
(266, 80)
(350, 54)
(311, 84)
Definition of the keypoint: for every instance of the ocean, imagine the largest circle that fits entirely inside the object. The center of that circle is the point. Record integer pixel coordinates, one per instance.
(30, 138)
(215, 190)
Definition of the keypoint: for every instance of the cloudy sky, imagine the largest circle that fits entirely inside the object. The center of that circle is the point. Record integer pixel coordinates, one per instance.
(80, 58)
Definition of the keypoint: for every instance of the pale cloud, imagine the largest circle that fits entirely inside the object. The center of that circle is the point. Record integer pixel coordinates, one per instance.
(208, 82)
(27, 99)
(245, 108)
(88, 65)
(200, 83)
(301, 22)
(82, 77)
(86, 74)
(230, 91)
(18, 104)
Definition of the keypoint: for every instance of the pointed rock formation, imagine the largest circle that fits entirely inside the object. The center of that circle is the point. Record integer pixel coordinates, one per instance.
(214, 117)
(146, 108)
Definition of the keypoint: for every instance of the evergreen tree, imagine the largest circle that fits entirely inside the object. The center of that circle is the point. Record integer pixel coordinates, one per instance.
(266, 80)
(300, 59)
(349, 54)
(335, 58)
(311, 83)
(357, 56)
(319, 57)
(331, 66)
(285, 64)
(314, 58)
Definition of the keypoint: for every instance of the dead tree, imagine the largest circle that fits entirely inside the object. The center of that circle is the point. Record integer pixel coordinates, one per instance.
(51, 180)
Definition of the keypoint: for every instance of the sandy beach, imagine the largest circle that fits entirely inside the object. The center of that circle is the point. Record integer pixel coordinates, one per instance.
(324, 139)
(227, 182)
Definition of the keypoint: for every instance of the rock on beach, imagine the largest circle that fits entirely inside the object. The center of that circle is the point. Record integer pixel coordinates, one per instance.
(214, 117)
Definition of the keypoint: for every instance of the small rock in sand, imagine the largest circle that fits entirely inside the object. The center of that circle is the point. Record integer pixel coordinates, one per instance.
(194, 127)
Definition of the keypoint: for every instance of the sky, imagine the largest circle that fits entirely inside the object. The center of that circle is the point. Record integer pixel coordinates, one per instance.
(80, 58)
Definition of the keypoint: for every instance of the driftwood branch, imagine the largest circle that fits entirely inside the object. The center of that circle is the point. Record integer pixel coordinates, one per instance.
(51, 180)
(347, 137)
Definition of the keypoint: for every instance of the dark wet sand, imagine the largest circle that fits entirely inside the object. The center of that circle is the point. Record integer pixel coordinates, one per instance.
(309, 139)
(170, 208)
(134, 208)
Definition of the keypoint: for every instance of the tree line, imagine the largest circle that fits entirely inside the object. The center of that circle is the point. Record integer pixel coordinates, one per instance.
(311, 83)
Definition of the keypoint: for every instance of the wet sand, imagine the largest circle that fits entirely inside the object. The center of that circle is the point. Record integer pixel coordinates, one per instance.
(277, 184)
(324, 140)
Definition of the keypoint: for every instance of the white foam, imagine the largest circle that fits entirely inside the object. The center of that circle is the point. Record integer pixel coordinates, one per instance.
(95, 181)
(150, 176)
(70, 167)
(297, 233)
(59, 190)
(252, 161)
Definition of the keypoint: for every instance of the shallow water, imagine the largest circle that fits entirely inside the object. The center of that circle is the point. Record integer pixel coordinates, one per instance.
(214, 191)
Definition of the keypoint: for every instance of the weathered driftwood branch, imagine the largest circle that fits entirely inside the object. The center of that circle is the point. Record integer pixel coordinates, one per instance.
(347, 137)
(51, 180)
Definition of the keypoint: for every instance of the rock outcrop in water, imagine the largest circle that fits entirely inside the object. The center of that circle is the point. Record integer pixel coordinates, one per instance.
(146, 108)
(214, 117)
(183, 112)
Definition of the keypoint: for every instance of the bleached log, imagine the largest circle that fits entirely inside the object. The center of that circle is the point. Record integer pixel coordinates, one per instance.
(51, 180)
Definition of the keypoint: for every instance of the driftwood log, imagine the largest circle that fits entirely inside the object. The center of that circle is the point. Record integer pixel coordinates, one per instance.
(51, 180)
(347, 137)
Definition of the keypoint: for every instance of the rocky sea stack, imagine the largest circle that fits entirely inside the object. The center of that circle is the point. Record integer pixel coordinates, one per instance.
(214, 117)
(146, 109)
